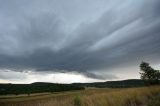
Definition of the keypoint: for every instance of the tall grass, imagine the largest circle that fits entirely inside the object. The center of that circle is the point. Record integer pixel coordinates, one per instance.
(154, 101)
(95, 97)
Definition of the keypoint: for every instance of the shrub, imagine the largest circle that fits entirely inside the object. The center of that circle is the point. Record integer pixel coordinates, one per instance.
(77, 101)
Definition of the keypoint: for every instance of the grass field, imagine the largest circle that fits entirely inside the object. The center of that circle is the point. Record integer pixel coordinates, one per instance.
(144, 96)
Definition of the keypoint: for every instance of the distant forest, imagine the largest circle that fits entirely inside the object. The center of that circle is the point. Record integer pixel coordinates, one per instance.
(40, 87)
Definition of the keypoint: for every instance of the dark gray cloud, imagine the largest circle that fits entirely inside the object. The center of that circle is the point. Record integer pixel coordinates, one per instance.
(80, 36)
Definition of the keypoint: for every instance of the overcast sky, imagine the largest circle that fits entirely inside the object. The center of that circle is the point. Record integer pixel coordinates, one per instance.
(67, 41)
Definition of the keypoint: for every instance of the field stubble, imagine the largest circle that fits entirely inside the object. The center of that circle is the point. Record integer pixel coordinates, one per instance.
(89, 97)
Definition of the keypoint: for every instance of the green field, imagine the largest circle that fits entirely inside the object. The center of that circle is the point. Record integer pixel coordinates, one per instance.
(142, 96)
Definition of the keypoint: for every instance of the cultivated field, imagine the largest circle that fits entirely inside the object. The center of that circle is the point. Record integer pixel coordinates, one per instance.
(144, 96)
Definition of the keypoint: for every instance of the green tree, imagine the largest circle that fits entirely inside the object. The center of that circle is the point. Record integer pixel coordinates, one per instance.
(148, 74)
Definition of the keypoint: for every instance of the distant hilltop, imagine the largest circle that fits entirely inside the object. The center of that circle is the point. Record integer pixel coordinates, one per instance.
(114, 84)
(39, 87)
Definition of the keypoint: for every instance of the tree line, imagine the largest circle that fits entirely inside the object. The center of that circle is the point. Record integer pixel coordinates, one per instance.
(36, 88)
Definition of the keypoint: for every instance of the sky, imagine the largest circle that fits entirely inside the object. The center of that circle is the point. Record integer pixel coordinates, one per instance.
(67, 41)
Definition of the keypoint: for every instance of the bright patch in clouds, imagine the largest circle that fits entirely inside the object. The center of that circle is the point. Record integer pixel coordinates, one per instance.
(9, 76)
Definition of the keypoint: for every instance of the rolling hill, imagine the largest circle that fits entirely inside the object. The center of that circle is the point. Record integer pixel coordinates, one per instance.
(40, 87)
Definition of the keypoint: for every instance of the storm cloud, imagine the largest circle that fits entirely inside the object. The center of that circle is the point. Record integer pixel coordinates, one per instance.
(84, 36)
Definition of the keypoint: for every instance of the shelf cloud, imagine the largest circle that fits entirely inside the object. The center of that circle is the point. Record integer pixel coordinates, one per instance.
(88, 37)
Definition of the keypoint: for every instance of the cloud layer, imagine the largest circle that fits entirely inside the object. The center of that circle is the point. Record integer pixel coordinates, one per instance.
(91, 38)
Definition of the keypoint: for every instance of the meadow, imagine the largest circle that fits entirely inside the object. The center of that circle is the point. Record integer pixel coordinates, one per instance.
(141, 96)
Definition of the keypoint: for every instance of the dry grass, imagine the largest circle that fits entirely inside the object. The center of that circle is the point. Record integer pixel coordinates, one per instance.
(89, 97)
